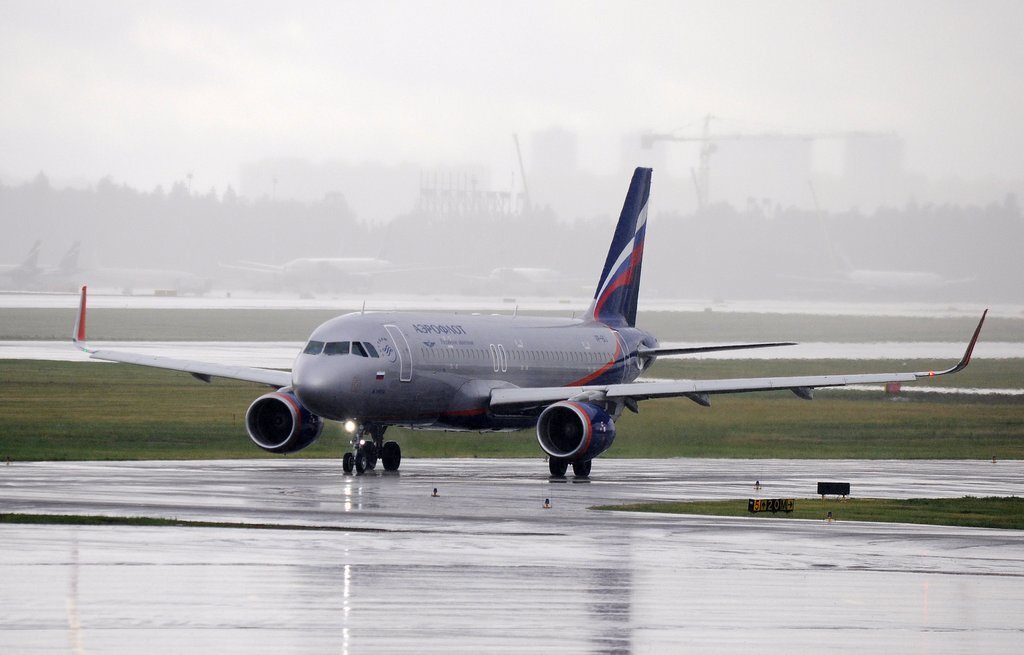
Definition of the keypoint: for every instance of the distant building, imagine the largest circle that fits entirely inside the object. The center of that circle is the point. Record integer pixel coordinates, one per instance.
(374, 192)
(466, 192)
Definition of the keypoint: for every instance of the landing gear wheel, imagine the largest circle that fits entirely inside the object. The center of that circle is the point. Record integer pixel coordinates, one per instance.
(371, 455)
(391, 455)
(558, 467)
(581, 469)
(348, 462)
(360, 461)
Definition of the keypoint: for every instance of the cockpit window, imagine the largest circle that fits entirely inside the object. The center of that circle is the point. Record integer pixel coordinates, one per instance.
(358, 348)
(337, 348)
(313, 348)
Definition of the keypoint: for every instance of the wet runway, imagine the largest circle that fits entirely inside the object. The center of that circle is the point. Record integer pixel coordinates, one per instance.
(484, 567)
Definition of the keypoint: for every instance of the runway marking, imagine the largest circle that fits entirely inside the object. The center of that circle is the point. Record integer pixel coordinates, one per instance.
(151, 521)
(159, 522)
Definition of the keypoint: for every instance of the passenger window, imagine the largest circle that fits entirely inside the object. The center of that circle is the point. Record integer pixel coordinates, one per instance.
(336, 348)
(313, 348)
(370, 350)
(357, 349)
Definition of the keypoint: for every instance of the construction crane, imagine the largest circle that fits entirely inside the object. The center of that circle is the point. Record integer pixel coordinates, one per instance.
(522, 174)
(708, 144)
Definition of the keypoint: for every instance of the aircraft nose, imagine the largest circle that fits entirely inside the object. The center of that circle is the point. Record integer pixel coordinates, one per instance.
(319, 387)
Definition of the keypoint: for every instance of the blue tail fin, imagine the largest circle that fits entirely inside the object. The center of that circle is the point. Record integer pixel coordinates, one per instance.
(616, 297)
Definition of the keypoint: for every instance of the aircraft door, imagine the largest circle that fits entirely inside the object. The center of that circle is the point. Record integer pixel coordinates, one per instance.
(499, 358)
(404, 353)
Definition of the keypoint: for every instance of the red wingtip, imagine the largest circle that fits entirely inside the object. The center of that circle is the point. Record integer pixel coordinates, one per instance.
(966, 359)
(80, 322)
(974, 339)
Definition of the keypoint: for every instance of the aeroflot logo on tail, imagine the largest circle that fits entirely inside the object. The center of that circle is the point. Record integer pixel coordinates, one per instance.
(621, 272)
(436, 328)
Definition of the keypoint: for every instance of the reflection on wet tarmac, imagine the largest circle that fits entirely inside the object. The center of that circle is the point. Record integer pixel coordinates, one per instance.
(483, 567)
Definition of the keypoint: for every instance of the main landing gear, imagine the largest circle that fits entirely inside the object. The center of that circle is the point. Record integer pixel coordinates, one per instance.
(368, 446)
(558, 467)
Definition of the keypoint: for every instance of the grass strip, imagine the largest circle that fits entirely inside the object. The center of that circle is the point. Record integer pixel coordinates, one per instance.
(969, 511)
(148, 521)
(70, 411)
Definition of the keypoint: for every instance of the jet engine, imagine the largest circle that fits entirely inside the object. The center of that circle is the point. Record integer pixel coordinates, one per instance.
(277, 422)
(575, 431)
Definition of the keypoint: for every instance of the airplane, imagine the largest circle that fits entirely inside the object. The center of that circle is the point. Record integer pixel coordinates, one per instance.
(570, 379)
(318, 272)
(69, 271)
(27, 271)
(846, 273)
(523, 280)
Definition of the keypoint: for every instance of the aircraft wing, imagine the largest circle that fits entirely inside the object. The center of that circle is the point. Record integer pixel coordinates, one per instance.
(254, 267)
(643, 351)
(699, 390)
(204, 371)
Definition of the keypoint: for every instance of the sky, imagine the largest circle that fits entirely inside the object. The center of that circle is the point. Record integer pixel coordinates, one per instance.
(145, 92)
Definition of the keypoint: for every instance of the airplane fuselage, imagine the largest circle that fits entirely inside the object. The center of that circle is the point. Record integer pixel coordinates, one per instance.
(437, 370)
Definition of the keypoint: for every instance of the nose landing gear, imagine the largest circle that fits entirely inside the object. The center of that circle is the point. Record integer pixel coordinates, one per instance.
(368, 446)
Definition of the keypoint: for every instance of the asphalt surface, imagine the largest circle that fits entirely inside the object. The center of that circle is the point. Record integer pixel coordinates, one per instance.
(484, 567)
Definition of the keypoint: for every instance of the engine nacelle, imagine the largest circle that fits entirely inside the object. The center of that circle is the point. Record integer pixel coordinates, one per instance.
(575, 431)
(277, 422)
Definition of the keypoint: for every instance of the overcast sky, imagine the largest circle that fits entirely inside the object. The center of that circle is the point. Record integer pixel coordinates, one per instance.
(147, 91)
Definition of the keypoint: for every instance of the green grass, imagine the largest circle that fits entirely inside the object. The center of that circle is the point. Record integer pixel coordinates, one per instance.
(836, 425)
(73, 411)
(968, 511)
(93, 411)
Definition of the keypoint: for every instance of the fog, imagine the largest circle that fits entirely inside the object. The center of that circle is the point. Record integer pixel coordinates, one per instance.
(814, 150)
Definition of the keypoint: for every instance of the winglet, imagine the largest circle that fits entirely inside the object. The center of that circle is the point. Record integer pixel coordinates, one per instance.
(965, 360)
(78, 336)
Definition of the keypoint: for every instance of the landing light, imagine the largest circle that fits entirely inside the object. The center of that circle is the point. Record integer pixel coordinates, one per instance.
(350, 426)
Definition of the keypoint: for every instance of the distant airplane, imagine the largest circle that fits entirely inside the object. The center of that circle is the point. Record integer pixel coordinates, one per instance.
(70, 274)
(525, 273)
(884, 280)
(311, 273)
(24, 274)
(570, 378)
(526, 280)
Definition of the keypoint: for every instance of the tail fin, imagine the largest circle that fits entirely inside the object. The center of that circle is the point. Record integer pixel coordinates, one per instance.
(69, 263)
(616, 297)
(31, 263)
